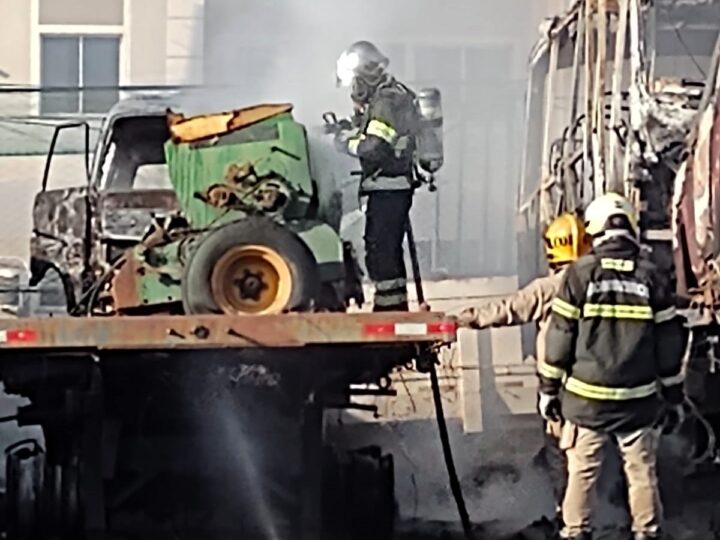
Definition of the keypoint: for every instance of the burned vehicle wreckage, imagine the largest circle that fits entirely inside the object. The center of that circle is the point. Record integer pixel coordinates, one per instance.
(138, 196)
(206, 284)
(624, 96)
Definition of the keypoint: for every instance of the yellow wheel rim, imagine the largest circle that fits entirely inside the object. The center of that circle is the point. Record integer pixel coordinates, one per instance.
(251, 279)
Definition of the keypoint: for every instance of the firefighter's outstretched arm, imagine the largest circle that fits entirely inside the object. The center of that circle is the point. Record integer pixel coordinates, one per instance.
(529, 304)
(562, 333)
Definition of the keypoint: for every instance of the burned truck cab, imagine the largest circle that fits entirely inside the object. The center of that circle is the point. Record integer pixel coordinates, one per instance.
(79, 231)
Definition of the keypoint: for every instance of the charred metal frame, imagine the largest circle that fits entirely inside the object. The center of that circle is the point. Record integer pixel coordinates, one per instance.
(53, 144)
(625, 127)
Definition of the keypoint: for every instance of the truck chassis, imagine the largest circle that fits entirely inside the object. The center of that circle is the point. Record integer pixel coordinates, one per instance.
(220, 434)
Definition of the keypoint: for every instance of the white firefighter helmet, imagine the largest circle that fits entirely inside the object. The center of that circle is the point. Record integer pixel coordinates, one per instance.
(361, 60)
(600, 211)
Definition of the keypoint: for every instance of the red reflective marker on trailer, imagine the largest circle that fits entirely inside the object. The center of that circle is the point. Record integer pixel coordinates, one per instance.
(410, 329)
(18, 336)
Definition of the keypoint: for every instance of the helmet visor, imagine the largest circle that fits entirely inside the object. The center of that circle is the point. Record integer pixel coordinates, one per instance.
(347, 65)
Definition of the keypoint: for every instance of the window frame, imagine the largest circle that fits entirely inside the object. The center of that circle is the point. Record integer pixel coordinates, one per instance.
(37, 31)
(81, 79)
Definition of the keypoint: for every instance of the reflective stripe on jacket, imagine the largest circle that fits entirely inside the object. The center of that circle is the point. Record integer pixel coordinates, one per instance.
(386, 142)
(614, 340)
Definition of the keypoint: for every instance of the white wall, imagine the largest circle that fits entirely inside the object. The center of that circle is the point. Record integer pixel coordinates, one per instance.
(20, 180)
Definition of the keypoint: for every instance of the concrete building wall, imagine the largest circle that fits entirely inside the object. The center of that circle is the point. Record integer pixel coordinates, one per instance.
(20, 180)
(161, 40)
(184, 41)
(103, 12)
(15, 42)
(147, 47)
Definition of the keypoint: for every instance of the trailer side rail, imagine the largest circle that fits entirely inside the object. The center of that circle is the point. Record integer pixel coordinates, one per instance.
(223, 331)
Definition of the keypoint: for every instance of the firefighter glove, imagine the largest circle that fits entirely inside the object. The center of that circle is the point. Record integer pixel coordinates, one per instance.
(343, 140)
(549, 407)
(468, 318)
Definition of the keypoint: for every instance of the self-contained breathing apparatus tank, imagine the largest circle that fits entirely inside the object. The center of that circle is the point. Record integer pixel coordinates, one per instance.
(430, 154)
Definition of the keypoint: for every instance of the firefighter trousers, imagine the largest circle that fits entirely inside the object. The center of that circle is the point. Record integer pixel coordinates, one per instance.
(556, 461)
(638, 450)
(386, 221)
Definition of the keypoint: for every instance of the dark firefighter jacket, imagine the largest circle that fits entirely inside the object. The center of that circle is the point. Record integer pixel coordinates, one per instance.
(385, 144)
(614, 340)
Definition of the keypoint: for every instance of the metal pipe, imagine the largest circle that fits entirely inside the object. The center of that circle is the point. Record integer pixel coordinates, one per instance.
(589, 116)
(636, 88)
(569, 145)
(615, 177)
(599, 97)
(546, 212)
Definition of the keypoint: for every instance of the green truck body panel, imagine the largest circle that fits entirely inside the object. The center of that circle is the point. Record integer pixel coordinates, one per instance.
(159, 272)
(275, 145)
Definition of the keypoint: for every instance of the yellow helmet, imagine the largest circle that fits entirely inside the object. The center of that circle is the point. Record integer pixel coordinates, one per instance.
(608, 205)
(565, 239)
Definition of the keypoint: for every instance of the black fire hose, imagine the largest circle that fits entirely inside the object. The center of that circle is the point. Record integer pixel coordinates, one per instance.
(437, 398)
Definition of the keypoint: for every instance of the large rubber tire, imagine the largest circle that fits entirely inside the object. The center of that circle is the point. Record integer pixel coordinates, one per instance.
(197, 289)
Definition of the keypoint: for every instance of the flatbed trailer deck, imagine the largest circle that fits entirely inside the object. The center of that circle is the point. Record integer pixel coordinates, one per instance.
(223, 331)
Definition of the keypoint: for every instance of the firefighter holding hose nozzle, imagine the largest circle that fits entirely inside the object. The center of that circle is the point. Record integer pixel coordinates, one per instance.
(394, 133)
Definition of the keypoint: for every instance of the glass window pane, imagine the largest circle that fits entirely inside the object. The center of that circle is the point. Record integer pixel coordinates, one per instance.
(59, 59)
(100, 68)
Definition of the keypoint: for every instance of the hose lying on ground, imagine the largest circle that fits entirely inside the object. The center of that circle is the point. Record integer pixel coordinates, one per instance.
(447, 454)
(710, 447)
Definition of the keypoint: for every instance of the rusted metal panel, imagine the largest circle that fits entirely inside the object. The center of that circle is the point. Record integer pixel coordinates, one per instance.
(204, 127)
(219, 331)
(147, 198)
(130, 214)
(694, 207)
(125, 293)
(60, 220)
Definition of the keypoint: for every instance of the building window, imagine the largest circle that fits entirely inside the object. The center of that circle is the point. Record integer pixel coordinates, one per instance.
(89, 63)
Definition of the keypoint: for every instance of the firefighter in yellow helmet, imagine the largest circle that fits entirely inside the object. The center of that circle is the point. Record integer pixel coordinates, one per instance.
(565, 241)
(614, 347)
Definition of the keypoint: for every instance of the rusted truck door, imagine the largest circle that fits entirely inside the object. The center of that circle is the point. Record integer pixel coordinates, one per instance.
(62, 232)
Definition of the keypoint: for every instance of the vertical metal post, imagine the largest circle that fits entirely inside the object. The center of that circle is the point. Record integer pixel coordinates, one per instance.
(589, 124)
(615, 180)
(638, 84)
(570, 146)
(599, 99)
(546, 211)
(651, 32)
(461, 185)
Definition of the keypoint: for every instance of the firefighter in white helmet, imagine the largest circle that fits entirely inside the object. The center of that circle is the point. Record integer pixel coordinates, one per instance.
(565, 240)
(384, 140)
(614, 338)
